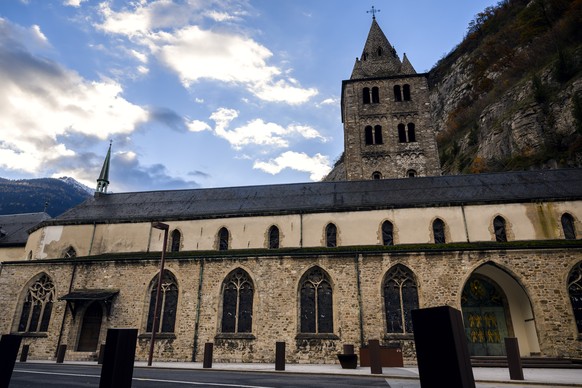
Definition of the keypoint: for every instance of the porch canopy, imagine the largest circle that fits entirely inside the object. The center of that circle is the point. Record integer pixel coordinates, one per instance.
(78, 298)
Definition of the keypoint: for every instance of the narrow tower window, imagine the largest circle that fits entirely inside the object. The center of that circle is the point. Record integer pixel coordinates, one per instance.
(375, 95)
(438, 231)
(366, 95)
(411, 133)
(378, 134)
(387, 233)
(176, 240)
(397, 93)
(223, 239)
(369, 135)
(411, 173)
(499, 229)
(379, 51)
(568, 226)
(406, 92)
(273, 237)
(330, 235)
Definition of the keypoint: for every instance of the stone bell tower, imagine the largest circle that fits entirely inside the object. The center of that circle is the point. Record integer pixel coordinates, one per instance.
(386, 116)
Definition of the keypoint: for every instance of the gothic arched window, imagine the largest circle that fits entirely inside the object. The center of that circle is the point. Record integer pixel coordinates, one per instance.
(37, 306)
(438, 231)
(369, 135)
(406, 92)
(397, 93)
(499, 229)
(316, 300)
(167, 305)
(375, 95)
(366, 95)
(378, 134)
(401, 133)
(387, 233)
(568, 226)
(330, 235)
(176, 240)
(237, 302)
(400, 297)
(223, 239)
(575, 292)
(273, 237)
(411, 133)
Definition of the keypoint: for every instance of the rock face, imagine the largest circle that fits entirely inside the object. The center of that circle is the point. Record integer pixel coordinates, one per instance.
(519, 110)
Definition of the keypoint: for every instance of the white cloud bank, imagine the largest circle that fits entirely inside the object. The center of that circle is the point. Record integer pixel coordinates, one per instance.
(317, 166)
(169, 31)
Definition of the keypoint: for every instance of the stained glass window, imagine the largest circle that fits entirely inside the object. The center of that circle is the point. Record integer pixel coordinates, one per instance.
(575, 292)
(38, 305)
(400, 297)
(237, 303)
(387, 233)
(167, 305)
(316, 302)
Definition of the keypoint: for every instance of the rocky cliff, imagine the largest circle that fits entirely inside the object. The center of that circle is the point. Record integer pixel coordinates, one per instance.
(509, 96)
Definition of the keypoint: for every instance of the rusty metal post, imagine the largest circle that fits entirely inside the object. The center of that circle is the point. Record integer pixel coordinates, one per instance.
(375, 361)
(24, 353)
(208, 348)
(513, 358)
(280, 356)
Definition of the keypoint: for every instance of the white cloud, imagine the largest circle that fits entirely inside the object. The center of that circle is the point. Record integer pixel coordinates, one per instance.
(73, 3)
(317, 166)
(171, 34)
(198, 126)
(42, 103)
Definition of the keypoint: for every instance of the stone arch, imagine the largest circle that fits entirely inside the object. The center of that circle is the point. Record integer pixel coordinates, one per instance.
(35, 304)
(331, 235)
(237, 300)
(504, 301)
(168, 304)
(316, 302)
(90, 327)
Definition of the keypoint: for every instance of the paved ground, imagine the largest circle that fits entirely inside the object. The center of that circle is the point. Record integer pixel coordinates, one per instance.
(396, 377)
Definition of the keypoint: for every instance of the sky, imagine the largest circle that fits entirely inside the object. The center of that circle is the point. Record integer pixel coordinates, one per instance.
(194, 93)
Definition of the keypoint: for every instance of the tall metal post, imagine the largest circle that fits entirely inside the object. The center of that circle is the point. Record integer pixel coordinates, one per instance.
(165, 228)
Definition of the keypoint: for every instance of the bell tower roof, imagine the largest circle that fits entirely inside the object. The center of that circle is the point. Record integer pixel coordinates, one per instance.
(103, 180)
(379, 58)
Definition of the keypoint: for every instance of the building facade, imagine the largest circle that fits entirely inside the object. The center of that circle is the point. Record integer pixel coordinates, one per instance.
(316, 265)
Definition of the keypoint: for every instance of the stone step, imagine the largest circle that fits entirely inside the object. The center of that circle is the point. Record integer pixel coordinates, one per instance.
(80, 356)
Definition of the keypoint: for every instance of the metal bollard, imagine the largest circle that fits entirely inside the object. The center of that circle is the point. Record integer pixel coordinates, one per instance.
(118, 358)
(101, 354)
(513, 358)
(24, 353)
(280, 356)
(9, 344)
(61, 353)
(208, 348)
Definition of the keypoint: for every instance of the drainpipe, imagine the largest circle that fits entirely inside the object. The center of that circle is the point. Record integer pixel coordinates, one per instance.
(198, 303)
(300, 230)
(65, 313)
(358, 283)
(465, 223)
(92, 239)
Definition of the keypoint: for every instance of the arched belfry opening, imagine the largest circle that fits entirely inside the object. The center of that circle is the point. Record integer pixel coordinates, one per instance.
(496, 306)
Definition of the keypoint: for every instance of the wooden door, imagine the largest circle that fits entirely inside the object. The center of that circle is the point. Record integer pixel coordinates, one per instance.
(91, 328)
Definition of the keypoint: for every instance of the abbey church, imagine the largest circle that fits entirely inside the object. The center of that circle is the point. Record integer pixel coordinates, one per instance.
(316, 265)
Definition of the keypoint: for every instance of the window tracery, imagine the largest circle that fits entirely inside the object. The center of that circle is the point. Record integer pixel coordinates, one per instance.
(168, 304)
(237, 303)
(316, 299)
(38, 305)
(400, 298)
(575, 293)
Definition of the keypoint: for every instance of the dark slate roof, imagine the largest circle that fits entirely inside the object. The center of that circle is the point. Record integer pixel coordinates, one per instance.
(14, 227)
(525, 186)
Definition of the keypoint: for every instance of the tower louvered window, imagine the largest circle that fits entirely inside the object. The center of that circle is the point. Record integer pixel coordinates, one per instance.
(38, 305)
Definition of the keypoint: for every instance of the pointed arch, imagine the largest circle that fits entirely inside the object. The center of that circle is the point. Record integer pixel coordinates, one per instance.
(237, 302)
(316, 302)
(438, 231)
(176, 241)
(387, 233)
(331, 235)
(168, 303)
(274, 237)
(575, 294)
(366, 95)
(223, 239)
(568, 226)
(37, 305)
(375, 95)
(90, 328)
(499, 228)
(400, 293)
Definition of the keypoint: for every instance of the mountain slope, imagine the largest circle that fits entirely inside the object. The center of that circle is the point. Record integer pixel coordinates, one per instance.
(509, 97)
(32, 195)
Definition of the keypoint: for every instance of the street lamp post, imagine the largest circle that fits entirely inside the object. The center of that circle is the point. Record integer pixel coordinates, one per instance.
(165, 228)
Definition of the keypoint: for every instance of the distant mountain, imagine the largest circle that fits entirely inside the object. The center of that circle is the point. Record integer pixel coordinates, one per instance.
(33, 195)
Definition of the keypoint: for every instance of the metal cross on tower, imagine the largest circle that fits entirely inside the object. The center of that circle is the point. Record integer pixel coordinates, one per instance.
(373, 11)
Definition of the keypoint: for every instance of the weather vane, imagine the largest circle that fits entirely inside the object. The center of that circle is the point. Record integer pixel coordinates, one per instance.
(373, 12)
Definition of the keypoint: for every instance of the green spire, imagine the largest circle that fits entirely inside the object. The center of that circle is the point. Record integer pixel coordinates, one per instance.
(103, 180)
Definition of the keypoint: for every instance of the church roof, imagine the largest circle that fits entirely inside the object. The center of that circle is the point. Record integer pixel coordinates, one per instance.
(14, 227)
(509, 187)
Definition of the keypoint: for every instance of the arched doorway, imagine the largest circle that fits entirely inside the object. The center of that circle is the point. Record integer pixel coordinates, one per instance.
(90, 328)
(485, 313)
(496, 306)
